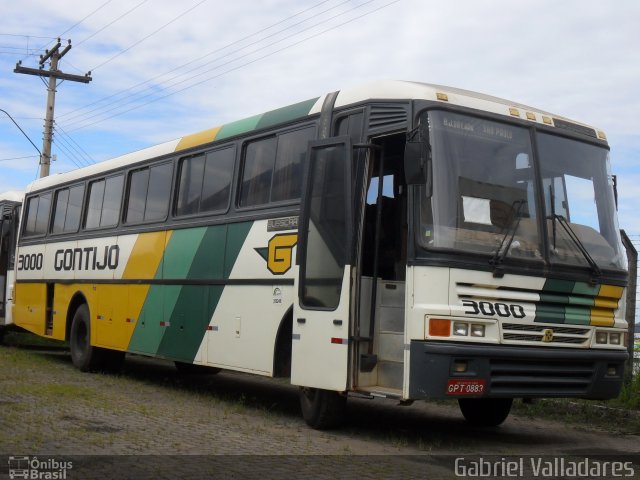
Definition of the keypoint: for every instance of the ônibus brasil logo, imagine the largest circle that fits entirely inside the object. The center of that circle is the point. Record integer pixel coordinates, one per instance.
(34, 468)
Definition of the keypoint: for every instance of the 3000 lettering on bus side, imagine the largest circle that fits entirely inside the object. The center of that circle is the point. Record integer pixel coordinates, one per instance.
(31, 261)
(491, 309)
(88, 258)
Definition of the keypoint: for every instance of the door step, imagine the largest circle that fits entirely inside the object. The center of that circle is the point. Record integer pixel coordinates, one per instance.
(380, 391)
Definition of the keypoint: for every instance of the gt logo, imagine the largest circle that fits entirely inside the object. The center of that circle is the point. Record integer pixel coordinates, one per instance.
(547, 335)
(279, 252)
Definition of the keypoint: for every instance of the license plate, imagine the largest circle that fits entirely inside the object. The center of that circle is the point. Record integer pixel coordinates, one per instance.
(466, 387)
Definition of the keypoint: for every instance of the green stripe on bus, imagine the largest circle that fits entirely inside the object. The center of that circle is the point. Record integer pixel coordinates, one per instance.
(559, 286)
(582, 288)
(196, 253)
(239, 127)
(577, 315)
(161, 299)
(554, 298)
(286, 114)
(195, 305)
(268, 119)
(549, 314)
(181, 251)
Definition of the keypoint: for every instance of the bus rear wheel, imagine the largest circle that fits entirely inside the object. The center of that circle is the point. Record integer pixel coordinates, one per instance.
(485, 412)
(84, 356)
(322, 409)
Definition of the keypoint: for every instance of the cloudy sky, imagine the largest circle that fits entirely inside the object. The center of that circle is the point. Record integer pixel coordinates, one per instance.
(162, 69)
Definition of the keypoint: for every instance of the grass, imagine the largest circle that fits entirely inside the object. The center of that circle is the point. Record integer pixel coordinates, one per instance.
(606, 416)
(630, 394)
(14, 338)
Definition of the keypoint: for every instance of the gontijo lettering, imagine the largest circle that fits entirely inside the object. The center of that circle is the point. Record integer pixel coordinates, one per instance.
(87, 258)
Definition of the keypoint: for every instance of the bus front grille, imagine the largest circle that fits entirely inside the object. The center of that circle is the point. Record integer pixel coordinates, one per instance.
(517, 377)
(560, 335)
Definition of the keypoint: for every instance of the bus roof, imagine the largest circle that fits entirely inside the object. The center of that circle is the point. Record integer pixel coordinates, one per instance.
(11, 196)
(381, 90)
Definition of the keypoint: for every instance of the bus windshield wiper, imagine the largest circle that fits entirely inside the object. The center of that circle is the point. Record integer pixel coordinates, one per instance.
(510, 232)
(562, 221)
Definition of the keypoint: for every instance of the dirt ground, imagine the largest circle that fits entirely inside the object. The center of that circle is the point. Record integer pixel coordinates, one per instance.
(146, 419)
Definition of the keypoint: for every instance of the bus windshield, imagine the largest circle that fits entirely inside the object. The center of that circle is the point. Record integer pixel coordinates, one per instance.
(484, 192)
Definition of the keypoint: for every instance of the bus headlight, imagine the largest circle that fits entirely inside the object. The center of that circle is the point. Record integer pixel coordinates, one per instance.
(601, 337)
(477, 330)
(461, 329)
(614, 338)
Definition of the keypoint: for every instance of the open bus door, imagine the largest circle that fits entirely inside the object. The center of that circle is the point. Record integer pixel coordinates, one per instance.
(4, 263)
(320, 345)
(8, 213)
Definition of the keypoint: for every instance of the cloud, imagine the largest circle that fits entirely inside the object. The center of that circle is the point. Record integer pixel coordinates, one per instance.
(576, 58)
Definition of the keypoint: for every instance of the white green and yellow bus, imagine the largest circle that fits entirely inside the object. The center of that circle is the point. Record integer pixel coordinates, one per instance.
(398, 240)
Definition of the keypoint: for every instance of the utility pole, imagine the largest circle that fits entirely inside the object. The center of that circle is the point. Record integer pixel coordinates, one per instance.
(53, 73)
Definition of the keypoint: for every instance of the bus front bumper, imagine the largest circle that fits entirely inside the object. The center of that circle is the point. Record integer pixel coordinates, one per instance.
(454, 370)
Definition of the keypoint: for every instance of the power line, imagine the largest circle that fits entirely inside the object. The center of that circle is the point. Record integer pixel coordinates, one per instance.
(18, 158)
(79, 22)
(78, 148)
(70, 147)
(61, 144)
(25, 36)
(111, 23)
(11, 47)
(237, 67)
(15, 53)
(135, 44)
(182, 66)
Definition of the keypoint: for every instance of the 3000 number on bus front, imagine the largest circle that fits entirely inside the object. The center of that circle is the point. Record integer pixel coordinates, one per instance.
(491, 309)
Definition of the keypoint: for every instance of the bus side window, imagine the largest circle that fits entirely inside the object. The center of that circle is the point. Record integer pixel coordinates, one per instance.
(149, 193)
(259, 157)
(272, 169)
(67, 208)
(37, 216)
(204, 183)
(105, 196)
(287, 174)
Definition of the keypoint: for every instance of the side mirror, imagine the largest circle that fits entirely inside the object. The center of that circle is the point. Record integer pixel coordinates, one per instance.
(414, 163)
(417, 165)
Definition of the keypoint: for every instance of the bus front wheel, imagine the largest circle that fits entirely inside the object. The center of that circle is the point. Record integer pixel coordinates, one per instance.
(322, 409)
(485, 412)
(83, 355)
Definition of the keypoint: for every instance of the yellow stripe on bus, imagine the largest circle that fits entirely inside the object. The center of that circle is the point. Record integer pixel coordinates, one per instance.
(146, 255)
(608, 296)
(602, 317)
(120, 305)
(199, 138)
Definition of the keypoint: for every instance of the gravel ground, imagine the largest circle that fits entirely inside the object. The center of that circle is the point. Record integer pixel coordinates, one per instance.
(143, 422)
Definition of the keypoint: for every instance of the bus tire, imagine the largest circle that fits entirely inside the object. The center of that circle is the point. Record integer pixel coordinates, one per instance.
(322, 409)
(191, 369)
(485, 412)
(84, 356)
